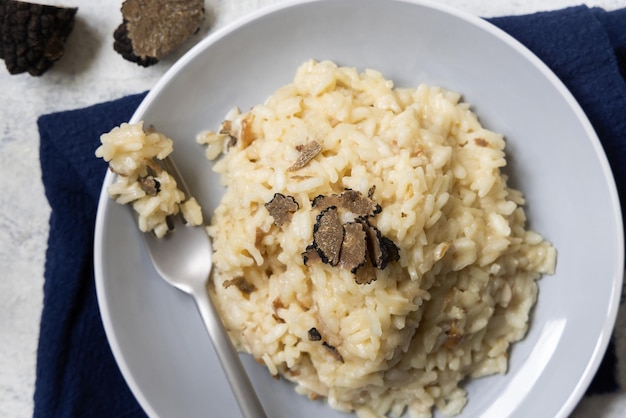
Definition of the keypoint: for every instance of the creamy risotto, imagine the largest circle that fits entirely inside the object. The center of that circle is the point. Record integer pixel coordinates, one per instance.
(368, 247)
(136, 157)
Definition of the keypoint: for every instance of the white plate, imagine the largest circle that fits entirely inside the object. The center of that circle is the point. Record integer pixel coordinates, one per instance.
(555, 158)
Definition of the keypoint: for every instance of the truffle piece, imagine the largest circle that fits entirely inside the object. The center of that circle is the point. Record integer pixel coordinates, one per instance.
(227, 129)
(390, 250)
(361, 248)
(154, 28)
(310, 256)
(241, 283)
(365, 274)
(481, 142)
(362, 206)
(33, 36)
(308, 151)
(281, 208)
(314, 335)
(333, 350)
(354, 247)
(328, 235)
(350, 200)
(124, 46)
(150, 185)
(381, 249)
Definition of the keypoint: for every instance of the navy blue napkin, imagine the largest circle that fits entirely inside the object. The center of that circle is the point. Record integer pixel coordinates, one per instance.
(76, 373)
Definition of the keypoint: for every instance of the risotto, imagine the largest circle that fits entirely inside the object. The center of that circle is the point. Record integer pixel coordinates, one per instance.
(136, 157)
(368, 247)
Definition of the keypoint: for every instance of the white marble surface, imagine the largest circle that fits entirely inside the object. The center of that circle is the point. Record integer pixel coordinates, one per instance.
(89, 73)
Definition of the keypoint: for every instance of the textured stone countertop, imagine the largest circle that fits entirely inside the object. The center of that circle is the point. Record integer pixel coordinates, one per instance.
(92, 72)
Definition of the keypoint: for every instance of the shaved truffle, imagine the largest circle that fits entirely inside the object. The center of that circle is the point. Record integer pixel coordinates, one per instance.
(227, 129)
(308, 151)
(354, 247)
(362, 248)
(310, 256)
(333, 351)
(241, 283)
(365, 274)
(350, 200)
(150, 185)
(33, 36)
(381, 249)
(358, 204)
(154, 28)
(281, 208)
(328, 235)
(314, 335)
(390, 252)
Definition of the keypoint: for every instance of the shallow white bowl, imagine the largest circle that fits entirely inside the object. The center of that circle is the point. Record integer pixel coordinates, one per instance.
(555, 158)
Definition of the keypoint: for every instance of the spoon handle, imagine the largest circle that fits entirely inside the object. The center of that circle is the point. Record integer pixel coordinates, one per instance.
(238, 379)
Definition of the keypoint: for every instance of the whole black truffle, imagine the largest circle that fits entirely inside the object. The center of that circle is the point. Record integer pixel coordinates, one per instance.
(124, 46)
(33, 36)
(151, 29)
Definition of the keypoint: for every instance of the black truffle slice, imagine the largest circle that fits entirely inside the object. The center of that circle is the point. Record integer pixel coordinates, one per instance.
(155, 28)
(333, 351)
(381, 249)
(328, 235)
(358, 204)
(365, 274)
(241, 283)
(150, 185)
(310, 256)
(314, 335)
(33, 36)
(350, 200)
(390, 250)
(281, 208)
(308, 151)
(354, 247)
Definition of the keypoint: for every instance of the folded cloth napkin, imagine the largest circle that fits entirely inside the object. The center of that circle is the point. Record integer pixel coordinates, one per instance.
(76, 373)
